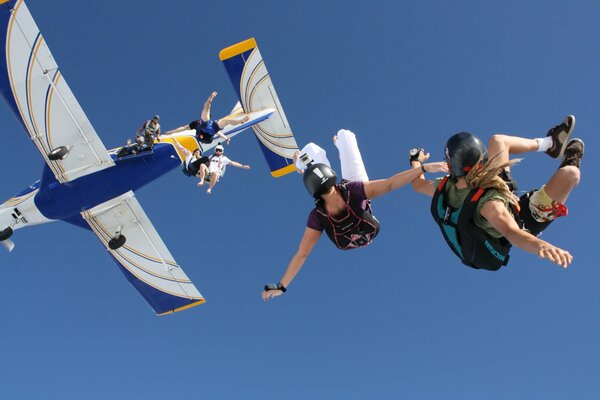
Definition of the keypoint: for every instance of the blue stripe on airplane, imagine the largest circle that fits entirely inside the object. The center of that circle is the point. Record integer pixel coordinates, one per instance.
(235, 67)
(5, 89)
(160, 302)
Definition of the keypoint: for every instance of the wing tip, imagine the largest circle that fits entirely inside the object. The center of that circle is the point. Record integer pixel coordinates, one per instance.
(283, 171)
(194, 304)
(237, 49)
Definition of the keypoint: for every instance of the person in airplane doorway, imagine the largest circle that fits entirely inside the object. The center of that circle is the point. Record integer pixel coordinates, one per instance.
(476, 206)
(194, 164)
(342, 209)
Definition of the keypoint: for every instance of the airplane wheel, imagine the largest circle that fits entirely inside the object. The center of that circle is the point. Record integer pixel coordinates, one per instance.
(5, 234)
(116, 242)
(58, 153)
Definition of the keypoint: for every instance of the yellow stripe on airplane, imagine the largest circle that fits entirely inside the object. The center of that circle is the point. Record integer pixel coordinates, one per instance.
(197, 303)
(237, 49)
(283, 171)
(188, 142)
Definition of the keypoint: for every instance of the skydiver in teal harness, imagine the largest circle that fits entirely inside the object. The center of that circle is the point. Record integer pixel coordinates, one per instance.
(477, 211)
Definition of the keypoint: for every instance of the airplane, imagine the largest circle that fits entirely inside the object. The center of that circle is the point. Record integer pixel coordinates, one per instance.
(88, 186)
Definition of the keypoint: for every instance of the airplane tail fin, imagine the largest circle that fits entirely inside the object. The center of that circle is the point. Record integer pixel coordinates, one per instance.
(252, 83)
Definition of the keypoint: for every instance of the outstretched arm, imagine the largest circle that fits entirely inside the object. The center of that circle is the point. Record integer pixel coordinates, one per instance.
(503, 221)
(237, 164)
(380, 187)
(309, 239)
(222, 136)
(180, 129)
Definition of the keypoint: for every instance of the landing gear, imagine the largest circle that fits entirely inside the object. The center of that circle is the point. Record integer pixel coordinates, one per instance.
(59, 153)
(6, 233)
(116, 242)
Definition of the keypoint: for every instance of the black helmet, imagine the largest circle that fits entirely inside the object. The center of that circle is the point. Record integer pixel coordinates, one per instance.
(463, 151)
(318, 179)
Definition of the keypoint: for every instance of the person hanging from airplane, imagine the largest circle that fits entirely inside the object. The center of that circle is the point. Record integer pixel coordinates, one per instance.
(476, 206)
(194, 163)
(206, 128)
(216, 168)
(342, 210)
(147, 133)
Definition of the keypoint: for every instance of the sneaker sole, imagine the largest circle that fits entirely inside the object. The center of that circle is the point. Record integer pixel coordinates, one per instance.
(566, 142)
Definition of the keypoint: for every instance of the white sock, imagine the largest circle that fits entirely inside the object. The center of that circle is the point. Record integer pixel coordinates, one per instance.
(544, 143)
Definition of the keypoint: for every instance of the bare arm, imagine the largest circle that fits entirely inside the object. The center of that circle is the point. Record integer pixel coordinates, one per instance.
(237, 164)
(180, 129)
(380, 187)
(221, 135)
(503, 221)
(309, 239)
(422, 185)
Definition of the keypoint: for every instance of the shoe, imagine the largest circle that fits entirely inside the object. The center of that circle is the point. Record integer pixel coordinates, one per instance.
(560, 136)
(573, 153)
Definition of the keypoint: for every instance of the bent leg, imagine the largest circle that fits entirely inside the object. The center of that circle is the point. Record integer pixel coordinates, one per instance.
(213, 181)
(353, 168)
(562, 183)
(316, 153)
(205, 115)
(507, 145)
(202, 174)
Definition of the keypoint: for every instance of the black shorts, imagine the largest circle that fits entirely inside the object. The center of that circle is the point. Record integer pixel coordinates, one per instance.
(529, 223)
(194, 167)
(210, 127)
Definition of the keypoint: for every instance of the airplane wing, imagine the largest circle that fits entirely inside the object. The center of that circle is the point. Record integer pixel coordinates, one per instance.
(36, 92)
(251, 80)
(143, 258)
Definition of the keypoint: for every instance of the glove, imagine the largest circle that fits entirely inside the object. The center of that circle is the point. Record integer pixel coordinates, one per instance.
(272, 286)
(414, 154)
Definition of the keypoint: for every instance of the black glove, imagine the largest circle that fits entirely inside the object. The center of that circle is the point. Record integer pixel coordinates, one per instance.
(272, 286)
(414, 154)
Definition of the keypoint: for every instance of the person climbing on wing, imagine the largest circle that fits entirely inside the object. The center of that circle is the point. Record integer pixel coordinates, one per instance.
(476, 207)
(342, 210)
(206, 128)
(216, 168)
(194, 164)
(149, 131)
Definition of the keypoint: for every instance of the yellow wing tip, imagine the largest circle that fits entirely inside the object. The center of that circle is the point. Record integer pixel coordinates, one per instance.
(283, 171)
(237, 49)
(194, 304)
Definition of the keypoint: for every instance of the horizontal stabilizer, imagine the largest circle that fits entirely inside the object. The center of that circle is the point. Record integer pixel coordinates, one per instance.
(142, 255)
(252, 83)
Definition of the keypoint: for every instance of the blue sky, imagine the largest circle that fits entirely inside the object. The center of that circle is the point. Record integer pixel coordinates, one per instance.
(399, 319)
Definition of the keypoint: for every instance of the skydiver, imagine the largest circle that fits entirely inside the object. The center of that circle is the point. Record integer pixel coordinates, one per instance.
(149, 131)
(194, 164)
(482, 231)
(342, 209)
(206, 128)
(216, 168)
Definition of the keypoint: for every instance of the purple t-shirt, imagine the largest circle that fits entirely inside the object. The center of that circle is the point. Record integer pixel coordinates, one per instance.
(356, 190)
